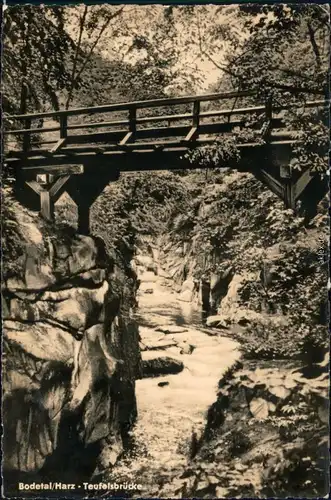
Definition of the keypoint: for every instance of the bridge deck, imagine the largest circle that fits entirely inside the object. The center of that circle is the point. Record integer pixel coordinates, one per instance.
(100, 141)
(162, 129)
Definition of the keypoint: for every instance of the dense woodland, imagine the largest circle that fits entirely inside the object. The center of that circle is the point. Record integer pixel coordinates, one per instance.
(58, 57)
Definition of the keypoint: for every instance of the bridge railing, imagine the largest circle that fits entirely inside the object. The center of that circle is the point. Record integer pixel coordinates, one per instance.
(193, 119)
(132, 120)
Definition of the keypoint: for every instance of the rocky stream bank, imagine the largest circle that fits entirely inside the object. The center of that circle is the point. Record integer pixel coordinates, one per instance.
(70, 355)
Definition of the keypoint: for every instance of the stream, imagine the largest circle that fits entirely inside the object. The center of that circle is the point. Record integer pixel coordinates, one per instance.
(168, 414)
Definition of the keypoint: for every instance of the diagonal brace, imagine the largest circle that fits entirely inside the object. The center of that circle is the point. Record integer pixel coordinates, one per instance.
(58, 145)
(126, 139)
(192, 135)
(49, 197)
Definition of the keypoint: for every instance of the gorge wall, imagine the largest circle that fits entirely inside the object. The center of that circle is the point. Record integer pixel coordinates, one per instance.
(235, 250)
(70, 353)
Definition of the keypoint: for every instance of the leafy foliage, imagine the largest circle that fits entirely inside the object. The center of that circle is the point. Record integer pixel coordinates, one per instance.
(279, 51)
(12, 245)
(222, 153)
(273, 441)
(35, 50)
(135, 206)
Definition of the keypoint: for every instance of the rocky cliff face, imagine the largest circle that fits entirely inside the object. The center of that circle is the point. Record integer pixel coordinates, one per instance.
(71, 356)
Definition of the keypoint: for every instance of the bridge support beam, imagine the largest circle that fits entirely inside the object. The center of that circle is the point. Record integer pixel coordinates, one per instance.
(286, 175)
(84, 218)
(85, 190)
(84, 201)
(47, 194)
(289, 194)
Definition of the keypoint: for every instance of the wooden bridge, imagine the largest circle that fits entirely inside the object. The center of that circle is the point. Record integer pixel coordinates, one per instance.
(81, 150)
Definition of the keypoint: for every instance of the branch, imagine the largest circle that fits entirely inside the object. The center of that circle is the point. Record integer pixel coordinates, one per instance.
(95, 43)
(79, 42)
(223, 68)
(314, 44)
(294, 88)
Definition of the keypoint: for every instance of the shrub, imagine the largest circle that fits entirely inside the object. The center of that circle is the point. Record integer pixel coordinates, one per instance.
(273, 341)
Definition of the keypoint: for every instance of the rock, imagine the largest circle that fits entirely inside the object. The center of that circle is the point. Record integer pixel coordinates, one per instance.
(166, 283)
(188, 285)
(84, 253)
(150, 335)
(161, 344)
(176, 287)
(143, 260)
(154, 365)
(259, 408)
(163, 384)
(14, 284)
(147, 263)
(152, 268)
(167, 329)
(186, 296)
(218, 321)
(73, 307)
(187, 349)
(174, 268)
(163, 274)
(247, 317)
(40, 340)
(5, 308)
(231, 301)
(205, 294)
(142, 346)
(219, 284)
(38, 275)
(94, 276)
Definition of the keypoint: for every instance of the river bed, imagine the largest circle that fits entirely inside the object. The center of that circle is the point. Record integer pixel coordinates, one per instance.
(169, 414)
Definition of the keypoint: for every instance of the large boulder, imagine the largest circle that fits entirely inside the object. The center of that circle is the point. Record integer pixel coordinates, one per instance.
(71, 357)
(74, 307)
(155, 364)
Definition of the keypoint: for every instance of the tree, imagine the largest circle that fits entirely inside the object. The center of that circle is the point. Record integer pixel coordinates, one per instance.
(35, 45)
(87, 25)
(278, 51)
(288, 46)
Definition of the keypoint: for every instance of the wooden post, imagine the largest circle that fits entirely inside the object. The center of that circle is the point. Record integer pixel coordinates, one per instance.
(196, 114)
(289, 194)
(83, 201)
(46, 205)
(133, 119)
(85, 189)
(194, 130)
(63, 126)
(289, 186)
(27, 135)
(48, 197)
(303, 181)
